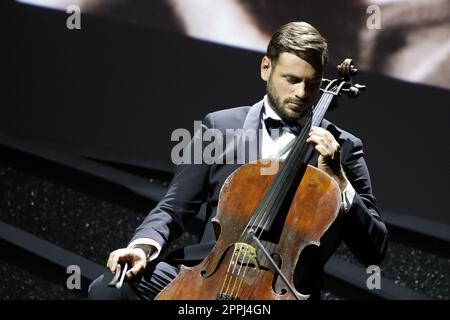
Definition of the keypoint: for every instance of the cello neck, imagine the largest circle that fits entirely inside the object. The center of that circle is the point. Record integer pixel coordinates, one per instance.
(288, 177)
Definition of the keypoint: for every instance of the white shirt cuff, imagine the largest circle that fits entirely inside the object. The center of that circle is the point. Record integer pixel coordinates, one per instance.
(347, 197)
(147, 241)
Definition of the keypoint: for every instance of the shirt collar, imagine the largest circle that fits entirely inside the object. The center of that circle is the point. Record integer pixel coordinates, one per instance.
(268, 110)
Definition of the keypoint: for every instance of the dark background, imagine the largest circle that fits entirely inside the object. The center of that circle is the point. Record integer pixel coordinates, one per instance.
(115, 91)
(125, 88)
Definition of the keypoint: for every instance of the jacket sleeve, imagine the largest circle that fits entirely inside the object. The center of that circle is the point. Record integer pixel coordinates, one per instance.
(365, 233)
(186, 193)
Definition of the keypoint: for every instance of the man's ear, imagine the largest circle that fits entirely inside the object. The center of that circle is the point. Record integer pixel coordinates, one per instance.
(266, 67)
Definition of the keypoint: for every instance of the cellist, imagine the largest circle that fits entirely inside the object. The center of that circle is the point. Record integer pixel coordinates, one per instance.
(292, 69)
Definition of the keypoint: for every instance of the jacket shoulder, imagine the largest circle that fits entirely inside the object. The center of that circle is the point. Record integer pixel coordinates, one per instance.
(231, 118)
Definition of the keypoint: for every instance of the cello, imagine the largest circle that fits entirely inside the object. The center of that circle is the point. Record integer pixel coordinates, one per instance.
(261, 232)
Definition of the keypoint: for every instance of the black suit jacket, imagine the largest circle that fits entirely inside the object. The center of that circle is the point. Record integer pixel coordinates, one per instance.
(194, 192)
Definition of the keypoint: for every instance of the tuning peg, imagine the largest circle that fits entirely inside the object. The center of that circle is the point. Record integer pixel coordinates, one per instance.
(351, 92)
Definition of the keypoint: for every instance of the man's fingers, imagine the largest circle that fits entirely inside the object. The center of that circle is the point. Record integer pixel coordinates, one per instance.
(314, 139)
(325, 142)
(135, 257)
(321, 144)
(136, 270)
(117, 256)
(112, 261)
(324, 134)
(322, 150)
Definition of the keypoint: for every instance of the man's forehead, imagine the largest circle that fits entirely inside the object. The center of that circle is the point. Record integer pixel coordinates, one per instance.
(291, 64)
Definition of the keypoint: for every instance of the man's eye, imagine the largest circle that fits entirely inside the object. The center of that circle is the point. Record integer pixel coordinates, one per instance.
(292, 80)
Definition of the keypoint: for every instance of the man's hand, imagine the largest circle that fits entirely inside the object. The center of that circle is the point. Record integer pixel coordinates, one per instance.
(330, 154)
(136, 258)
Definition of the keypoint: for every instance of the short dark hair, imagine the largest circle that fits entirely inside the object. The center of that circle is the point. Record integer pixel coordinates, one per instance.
(301, 39)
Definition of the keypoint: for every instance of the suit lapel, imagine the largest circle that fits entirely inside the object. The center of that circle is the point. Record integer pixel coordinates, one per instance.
(252, 123)
(253, 118)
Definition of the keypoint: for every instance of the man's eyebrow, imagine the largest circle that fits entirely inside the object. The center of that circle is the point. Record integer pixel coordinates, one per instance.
(292, 76)
(315, 79)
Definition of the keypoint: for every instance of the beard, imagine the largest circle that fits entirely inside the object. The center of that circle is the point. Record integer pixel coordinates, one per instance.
(283, 112)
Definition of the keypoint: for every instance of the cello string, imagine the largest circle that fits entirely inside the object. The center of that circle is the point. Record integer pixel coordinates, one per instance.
(236, 275)
(252, 271)
(266, 212)
(280, 184)
(242, 278)
(245, 266)
(228, 273)
(273, 199)
(238, 278)
(245, 261)
(251, 290)
(270, 202)
(319, 110)
(261, 211)
(264, 217)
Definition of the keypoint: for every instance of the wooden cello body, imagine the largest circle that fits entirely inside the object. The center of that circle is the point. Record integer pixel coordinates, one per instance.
(314, 208)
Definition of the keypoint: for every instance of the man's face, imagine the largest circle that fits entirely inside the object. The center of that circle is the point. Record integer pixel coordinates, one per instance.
(292, 85)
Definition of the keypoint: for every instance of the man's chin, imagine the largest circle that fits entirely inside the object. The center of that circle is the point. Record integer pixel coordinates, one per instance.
(295, 115)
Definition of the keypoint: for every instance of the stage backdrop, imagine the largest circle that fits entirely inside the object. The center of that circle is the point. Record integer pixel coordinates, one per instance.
(132, 74)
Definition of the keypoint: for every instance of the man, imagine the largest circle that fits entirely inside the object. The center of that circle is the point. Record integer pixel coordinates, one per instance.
(292, 68)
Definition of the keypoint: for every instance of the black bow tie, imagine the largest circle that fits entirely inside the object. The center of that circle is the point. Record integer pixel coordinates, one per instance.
(293, 126)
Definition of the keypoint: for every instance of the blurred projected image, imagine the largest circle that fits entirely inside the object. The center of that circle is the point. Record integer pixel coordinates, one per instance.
(409, 40)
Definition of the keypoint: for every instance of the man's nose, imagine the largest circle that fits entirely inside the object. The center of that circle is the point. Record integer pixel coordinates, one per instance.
(300, 91)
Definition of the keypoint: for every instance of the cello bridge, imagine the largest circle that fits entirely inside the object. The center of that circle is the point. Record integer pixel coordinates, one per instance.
(245, 255)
